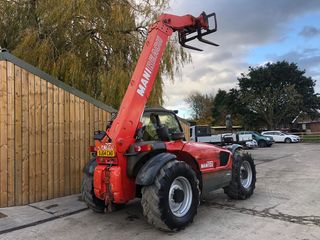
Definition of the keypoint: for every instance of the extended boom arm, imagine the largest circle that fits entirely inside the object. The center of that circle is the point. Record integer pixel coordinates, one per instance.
(132, 106)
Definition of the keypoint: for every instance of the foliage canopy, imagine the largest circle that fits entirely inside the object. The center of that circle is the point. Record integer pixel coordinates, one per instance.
(269, 96)
(278, 92)
(201, 106)
(91, 45)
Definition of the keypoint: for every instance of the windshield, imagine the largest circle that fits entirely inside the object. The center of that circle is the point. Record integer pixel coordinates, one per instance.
(153, 121)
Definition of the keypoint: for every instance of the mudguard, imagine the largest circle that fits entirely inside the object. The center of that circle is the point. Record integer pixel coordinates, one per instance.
(150, 169)
(233, 148)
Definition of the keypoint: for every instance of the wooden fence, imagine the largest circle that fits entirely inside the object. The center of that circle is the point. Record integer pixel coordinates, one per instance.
(186, 128)
(46, 128)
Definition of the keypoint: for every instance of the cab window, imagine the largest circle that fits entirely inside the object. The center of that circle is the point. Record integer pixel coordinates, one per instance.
(171, 122)
(153, 121)
(149, 122)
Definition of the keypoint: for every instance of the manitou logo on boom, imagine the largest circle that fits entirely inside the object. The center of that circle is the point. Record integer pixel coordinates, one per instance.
(149, 66)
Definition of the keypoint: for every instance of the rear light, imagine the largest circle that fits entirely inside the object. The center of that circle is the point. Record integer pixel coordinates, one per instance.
(92, 149)
(143, 148)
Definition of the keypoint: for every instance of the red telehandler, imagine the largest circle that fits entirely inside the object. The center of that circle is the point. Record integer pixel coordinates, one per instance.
(143, 152)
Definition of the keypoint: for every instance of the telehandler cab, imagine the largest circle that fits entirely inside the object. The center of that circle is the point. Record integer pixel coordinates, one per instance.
(143, 152)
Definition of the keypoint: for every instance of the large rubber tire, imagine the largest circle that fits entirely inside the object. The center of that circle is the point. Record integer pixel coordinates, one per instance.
(155, 198)
(262, 143)
(287, 140)
(94, 203)
(239, 188)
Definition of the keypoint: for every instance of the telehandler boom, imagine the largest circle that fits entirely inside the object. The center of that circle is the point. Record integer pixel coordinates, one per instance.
(143, 154)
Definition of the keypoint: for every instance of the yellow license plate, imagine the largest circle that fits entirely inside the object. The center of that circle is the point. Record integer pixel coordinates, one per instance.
(105, 153)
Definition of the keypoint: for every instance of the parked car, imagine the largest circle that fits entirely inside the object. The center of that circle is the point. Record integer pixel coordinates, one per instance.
(279, 136)
(263, 141)
(252, 144)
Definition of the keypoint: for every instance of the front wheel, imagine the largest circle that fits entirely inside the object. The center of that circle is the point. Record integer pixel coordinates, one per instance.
(171, 202)
(243, 180)
(287, 140)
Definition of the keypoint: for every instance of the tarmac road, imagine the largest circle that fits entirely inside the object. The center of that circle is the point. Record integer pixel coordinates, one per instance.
(285, 206)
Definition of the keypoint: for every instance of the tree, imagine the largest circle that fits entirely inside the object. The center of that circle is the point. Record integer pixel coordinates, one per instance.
(201, 106)
(90, 45)
(227, 103)
(219, 107)
(277, 92)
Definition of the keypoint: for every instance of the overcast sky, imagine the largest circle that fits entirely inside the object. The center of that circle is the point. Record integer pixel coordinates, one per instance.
(250, 33)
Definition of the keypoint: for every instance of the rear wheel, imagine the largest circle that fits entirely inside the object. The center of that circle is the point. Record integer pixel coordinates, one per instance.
(287, 140)
(262, 143)
(171, 202)
(94, 203)
(243, 180)
(87, 191)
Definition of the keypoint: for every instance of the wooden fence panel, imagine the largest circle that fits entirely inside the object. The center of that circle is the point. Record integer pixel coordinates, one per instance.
(56, 185)
(3, 135)
(25, 137)
(72, 145)
(186, 130)
(11, 126)
(81, 139)
(67, 143)
(50, 141)
(91, 122)
(18, 134)
(44, 142)
(32, 139)
(76, 143)
(61, 143)
(38, 136)
(86, 130)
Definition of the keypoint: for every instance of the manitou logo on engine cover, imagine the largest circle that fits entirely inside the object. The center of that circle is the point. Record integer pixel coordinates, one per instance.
(149, 66)
(208, 164)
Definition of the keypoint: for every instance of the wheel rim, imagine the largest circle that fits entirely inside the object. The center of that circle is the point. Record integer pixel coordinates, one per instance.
(245, 174)
(263, 144)
(180, 196)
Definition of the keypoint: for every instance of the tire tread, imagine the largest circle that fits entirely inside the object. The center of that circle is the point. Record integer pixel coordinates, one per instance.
(235, 190)
(151, 195)
(87, 194)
